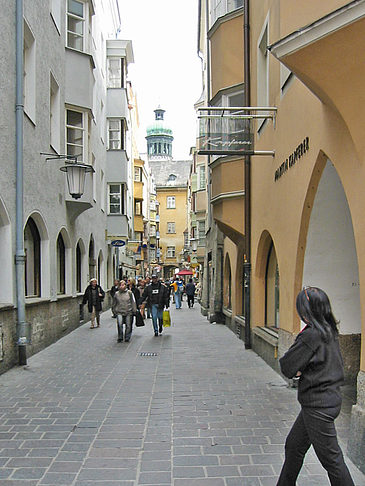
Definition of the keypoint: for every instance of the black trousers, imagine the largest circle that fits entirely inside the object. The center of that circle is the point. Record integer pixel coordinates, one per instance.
(190, 300)
(315, 426)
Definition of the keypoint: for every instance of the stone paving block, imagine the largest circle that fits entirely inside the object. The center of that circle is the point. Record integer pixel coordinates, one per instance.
(29, 462)
(155, 466)
(256, 470)
(28, 473)
(234, 459)
(111, 463)
(155, 478)
(48, 452)
(243, 482)
(222, 471)
(197, 460)
(114, 452)
(58, 479)
(199, 482)
(106, 474)
(189, 472)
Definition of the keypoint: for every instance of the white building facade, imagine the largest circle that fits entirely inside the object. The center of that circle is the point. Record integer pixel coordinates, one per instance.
(72, 76)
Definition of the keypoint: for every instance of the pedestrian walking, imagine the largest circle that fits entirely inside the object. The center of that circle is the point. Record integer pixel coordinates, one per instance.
(112, 292)
(156, 296)
(315, 358)
(93, 297)
(190, 292)
(148, 308)
(124, 306)
(177, 287)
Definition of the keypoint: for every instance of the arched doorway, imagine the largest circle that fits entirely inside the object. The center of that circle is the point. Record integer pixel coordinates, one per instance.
(32, 248)
(227, 284)
(272, 289)
(6, 292)
(330, 262)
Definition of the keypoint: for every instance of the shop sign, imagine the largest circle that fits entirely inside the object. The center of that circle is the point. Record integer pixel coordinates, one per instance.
(289, 162)
(226, 143)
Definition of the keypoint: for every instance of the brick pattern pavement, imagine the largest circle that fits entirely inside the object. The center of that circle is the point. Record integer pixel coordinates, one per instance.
(89, 411)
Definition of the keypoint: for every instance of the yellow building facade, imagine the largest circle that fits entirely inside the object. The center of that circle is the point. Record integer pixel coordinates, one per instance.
(305, 196)
(173, 224)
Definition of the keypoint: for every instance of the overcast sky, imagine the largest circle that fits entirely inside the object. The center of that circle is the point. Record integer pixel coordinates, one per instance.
(167, 70)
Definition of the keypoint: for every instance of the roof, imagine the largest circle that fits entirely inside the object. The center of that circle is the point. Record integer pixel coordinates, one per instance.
(165, 170)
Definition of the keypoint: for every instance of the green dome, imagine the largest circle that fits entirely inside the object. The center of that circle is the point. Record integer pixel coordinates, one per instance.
(158, 128)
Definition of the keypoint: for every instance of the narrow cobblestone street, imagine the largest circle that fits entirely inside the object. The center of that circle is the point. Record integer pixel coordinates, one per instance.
(191, 407)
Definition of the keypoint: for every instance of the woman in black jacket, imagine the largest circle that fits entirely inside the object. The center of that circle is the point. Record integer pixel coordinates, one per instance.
(315, 359)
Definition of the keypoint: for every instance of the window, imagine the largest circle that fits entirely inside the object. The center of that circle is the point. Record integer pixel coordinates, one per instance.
(153, 230)
(115, 134)
(116, 199)
(78, 268)
(32, 247)
(172, 177)
(56, 13)
(222, 7)
(138, 208)
(202, 182)
(170, 252)
(171, 228)
(170, 202)
(138, 174)
(102, 191)
(54, 114)
(76, 16)
(201, 229)
(75, 134)
(115, 72)
(29, 73)
(61, 268)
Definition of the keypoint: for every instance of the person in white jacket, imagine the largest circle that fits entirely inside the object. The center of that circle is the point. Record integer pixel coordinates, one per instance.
(124, 307)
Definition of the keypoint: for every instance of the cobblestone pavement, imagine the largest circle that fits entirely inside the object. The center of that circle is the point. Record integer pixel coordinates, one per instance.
(189, 408)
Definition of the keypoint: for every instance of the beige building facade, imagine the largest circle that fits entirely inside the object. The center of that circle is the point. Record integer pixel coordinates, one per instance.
(305, 196)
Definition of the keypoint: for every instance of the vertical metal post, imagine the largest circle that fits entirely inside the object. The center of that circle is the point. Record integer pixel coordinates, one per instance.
(22, 328)
(247, 263)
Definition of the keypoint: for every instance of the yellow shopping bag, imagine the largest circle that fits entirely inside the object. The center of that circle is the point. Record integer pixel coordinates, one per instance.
(166, 318)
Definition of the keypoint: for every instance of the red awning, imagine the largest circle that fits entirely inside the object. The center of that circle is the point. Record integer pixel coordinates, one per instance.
(185, 272)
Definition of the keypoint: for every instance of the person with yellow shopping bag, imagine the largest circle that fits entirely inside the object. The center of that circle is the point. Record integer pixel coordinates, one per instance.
(156, 295)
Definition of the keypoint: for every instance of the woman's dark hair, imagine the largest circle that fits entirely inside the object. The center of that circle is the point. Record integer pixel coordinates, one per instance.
(314, 308)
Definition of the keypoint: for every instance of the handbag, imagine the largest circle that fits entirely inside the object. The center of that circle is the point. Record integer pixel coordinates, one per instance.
(166, 319)
(139, 320)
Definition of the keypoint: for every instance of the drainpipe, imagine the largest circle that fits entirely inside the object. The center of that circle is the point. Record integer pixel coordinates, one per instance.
(247, 258)
(20, 253)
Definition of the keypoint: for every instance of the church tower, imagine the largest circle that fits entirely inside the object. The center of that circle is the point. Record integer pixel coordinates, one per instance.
(159, 138)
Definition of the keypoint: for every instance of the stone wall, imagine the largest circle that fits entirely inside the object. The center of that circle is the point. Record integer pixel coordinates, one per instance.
(49, 322)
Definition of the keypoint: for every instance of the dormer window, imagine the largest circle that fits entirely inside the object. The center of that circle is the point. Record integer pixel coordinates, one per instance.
(172, 177)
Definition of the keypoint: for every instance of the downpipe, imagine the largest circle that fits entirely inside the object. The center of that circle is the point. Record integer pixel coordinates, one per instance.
(22, 327)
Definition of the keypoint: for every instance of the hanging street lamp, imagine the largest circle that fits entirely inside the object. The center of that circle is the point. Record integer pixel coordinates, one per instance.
(75, 173)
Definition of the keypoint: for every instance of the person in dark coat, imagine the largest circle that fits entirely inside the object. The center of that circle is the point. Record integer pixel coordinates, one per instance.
(190, 292)
(315, 359)
(93, 297)
(112, 292)
(156, 296)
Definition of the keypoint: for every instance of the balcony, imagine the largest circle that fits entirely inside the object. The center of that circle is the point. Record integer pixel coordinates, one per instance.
(230, 130)
(79, 85)
(117, 166)
(138, 223)
(138, 190)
